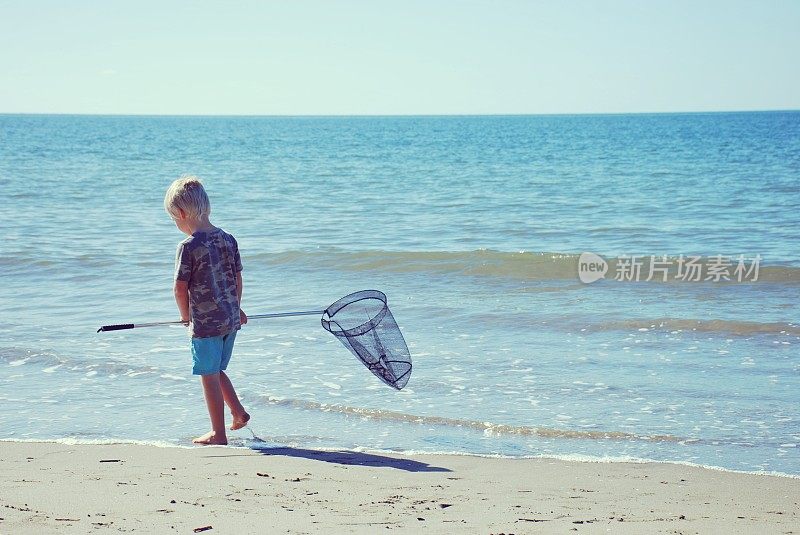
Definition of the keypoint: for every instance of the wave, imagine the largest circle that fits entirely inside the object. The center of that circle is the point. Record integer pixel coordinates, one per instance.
(107, 366)
(584, 458)
(16, 357)
(522, 265)
(23, 261)
(485, 427)
(76, 441)
(734, 327)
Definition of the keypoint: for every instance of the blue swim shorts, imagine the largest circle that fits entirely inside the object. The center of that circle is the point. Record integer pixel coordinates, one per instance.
(212, 355)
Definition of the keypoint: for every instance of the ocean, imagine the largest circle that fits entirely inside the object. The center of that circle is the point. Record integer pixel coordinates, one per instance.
(685, 349)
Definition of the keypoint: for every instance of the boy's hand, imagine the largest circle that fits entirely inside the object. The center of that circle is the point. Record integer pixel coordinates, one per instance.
(242, 317)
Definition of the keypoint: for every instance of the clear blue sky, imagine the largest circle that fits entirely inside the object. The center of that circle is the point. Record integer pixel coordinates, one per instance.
(403, 57)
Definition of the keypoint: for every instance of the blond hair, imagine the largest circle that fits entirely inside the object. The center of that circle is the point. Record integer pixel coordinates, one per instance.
(187, 194)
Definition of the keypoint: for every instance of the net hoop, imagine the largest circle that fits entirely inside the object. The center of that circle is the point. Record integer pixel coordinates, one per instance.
(332, 326)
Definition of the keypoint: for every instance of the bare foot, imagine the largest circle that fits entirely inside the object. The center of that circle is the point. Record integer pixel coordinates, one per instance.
(211, 439)
(240, 421)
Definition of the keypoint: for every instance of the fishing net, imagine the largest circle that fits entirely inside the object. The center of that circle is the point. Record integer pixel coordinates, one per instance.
(364, 324)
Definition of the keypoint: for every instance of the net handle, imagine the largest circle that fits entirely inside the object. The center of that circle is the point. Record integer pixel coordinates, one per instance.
(123, 326)
(329, 312)
(286, 314)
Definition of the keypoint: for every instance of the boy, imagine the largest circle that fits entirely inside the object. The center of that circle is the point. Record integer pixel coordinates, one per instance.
(208, 291)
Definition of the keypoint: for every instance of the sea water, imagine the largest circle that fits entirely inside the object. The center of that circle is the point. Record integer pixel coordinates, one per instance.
(473, 227)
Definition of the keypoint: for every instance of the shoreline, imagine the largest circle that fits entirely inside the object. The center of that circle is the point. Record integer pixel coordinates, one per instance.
(577, 458)
(55, 487)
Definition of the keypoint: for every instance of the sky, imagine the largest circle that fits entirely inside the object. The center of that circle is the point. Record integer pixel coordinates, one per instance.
(405, 57)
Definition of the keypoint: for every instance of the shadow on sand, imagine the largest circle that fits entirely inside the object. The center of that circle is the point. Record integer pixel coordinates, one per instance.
(352, 458)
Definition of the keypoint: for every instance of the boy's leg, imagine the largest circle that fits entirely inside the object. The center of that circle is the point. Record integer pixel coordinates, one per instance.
(212, 390)
(240, 416)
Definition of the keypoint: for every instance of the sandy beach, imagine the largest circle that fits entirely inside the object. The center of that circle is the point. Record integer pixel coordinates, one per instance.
(61, 488)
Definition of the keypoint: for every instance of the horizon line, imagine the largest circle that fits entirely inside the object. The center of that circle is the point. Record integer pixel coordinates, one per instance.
(310, 115)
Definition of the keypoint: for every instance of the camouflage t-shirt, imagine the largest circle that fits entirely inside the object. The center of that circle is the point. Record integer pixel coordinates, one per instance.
(209, 261)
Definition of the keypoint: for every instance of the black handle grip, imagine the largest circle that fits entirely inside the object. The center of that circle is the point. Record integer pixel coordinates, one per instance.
(116, 327)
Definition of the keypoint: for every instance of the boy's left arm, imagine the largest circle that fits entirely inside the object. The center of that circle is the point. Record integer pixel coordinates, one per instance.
(242, 315)
(181, 290)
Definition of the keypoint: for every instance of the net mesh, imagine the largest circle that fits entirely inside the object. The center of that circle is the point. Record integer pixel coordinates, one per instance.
(364, 324)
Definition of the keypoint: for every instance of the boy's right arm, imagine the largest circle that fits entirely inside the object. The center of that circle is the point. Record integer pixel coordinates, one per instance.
(181, 291)
(242, 315)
